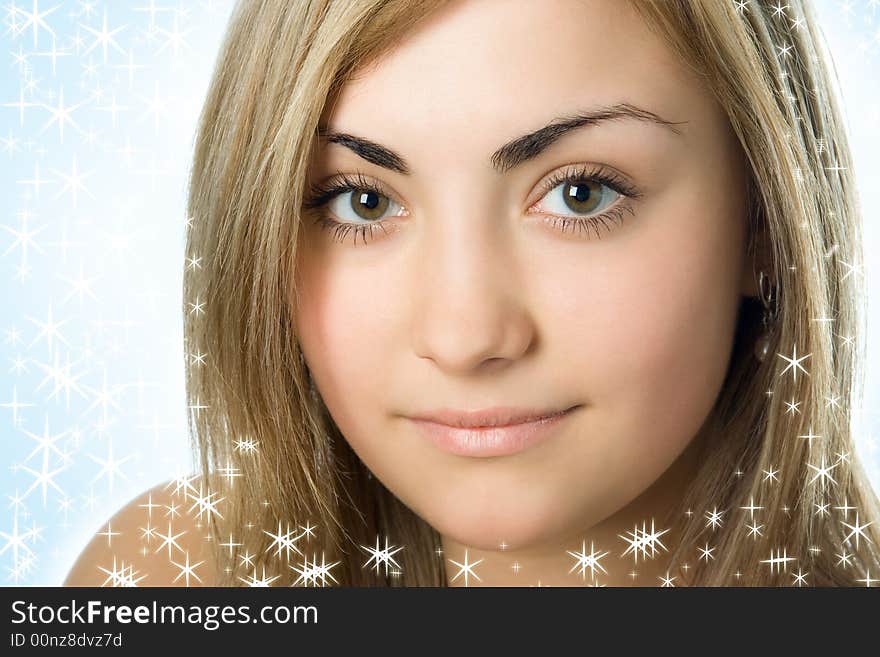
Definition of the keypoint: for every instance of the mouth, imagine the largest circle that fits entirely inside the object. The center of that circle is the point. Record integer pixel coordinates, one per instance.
(497, 432)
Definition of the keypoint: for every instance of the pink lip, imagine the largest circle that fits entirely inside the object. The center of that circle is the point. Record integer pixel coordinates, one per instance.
(494, 432)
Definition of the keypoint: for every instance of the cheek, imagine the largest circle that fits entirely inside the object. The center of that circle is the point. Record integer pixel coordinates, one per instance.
(656, 333)
(344, 337)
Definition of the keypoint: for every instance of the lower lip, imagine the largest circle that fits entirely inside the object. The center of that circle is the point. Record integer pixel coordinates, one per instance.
(491, 441)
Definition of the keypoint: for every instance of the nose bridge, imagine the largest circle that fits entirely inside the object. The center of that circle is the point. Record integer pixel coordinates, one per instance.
(463, 230)
(470, 306)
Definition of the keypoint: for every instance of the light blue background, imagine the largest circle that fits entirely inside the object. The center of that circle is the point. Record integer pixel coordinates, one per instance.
(92, 407)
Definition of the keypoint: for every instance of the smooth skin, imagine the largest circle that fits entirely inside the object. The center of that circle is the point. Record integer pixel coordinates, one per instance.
(153, 535)
(471, 297)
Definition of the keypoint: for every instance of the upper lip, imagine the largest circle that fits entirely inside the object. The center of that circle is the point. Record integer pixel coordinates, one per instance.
(496, 416)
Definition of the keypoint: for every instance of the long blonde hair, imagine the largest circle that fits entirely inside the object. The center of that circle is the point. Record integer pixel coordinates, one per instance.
(254, 413)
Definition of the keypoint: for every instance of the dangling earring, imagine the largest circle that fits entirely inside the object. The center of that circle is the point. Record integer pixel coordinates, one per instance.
(768, 295)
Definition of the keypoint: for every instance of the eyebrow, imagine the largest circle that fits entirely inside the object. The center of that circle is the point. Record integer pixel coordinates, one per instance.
(514, 152)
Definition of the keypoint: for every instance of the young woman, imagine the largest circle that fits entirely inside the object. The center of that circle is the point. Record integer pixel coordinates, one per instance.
(518, 293)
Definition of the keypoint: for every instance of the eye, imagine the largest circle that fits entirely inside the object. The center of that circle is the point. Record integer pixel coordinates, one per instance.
(359, 203)
(579, 197)
(362, 204)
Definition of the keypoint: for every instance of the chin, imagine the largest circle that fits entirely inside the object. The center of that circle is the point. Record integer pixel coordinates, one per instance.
(484, 522)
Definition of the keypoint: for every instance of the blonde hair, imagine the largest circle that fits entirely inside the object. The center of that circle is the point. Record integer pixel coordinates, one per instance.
(280, 65)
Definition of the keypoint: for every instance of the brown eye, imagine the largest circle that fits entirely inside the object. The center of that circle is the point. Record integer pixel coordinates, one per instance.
(362, 205)
(583, 196)
(578, 196)
(585, 199)
(367, 204)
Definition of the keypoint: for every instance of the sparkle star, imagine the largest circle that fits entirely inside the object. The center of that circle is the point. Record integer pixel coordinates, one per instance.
(778, 560)
(800, 578)
(779, 10)
(381, 556)
(466, 568)
(809, 436)
(311, 573)
(120, 576)
(867, 579)
(667, 581)
(147, 533)
(206, 504)
(713, 518)
(785, 51)
(110, 466)
(230, 544)
(755, 530)
(49, 329)
(103, 38)
(175, 39)
(590, 560)
(846, 508)
(109, 534)
(823, 472)
(640, 541)
(62, 115)
(73, 182)
(245, 445)
(284, 541)
(751, 508)
(832, 402)
(187, 570)
(706, 553)
(857, 530)
(850, 268)
(169, 540)
(771, 475)
(35, 18)
(794, 363)
(843, 558)
(259, 582)
(198, 307)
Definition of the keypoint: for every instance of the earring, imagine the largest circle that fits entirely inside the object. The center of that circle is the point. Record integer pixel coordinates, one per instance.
(768, 296)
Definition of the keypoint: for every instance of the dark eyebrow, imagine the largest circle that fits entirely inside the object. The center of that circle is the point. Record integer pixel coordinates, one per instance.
(513, 152)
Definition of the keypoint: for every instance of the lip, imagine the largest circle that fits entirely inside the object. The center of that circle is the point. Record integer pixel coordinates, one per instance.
(499, 431)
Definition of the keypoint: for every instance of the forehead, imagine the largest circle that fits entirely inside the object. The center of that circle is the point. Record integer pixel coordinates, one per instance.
(479, 71)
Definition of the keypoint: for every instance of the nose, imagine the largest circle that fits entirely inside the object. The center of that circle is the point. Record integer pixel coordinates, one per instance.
(471, 312)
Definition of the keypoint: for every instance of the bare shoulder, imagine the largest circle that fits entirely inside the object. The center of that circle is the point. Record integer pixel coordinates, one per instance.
(154, 540)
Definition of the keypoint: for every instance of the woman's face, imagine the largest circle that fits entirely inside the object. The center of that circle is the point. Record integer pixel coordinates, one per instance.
(472, 293)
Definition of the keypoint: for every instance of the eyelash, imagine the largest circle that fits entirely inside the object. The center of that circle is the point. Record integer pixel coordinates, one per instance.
(320, 195)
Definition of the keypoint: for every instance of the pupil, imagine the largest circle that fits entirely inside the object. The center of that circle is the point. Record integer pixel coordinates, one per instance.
(582, 194)
(372, 203)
